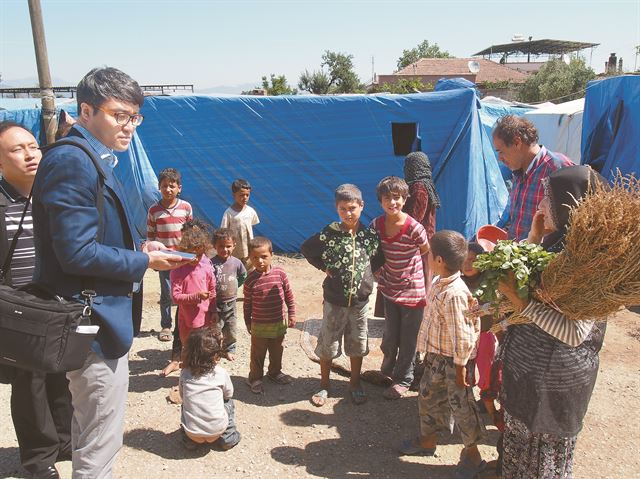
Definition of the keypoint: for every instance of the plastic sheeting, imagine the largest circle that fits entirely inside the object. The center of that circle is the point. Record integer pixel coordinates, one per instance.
(296, 150)
(560, 127)
(611, 125)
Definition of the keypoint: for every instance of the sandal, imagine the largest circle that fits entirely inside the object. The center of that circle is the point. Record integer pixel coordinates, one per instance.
(467, 469)
(281, 378)
(377, 378)
(255, 386)
(412, 447)
(320, 398)
(394, 392)
(358, 396)
(165, 335)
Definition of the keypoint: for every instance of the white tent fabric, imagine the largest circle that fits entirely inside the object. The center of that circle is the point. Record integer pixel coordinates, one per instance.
(560, 127)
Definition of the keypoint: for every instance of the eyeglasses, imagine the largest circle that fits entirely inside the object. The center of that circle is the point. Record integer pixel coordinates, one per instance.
(122, 118)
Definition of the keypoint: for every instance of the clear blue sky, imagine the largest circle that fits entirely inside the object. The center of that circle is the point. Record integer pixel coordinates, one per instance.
(212, 43)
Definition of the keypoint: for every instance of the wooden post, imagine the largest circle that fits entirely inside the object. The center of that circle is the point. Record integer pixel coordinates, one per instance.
(50, 121)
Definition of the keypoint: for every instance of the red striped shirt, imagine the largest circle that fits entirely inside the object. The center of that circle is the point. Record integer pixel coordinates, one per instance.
(165, 224)
(402, 277)
(267, 297)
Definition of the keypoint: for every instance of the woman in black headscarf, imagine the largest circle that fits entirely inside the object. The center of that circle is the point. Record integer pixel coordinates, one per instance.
(423, 199)
(549, 365)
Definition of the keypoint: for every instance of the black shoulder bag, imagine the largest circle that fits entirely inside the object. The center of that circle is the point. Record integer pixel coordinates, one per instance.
(39, 330)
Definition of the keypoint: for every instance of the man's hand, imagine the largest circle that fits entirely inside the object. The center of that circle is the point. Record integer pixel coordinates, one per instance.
(461, 376)
(292, 322)
(203, 295)
(163, 260)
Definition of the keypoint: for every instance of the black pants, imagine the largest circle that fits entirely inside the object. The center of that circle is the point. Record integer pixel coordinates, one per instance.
(41, 411)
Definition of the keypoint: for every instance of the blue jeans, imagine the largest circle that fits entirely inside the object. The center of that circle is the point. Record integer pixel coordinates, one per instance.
(165, 299)
(401, 326)
(231, 436)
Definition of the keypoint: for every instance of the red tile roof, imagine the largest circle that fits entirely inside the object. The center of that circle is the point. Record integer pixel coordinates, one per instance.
(451, 67)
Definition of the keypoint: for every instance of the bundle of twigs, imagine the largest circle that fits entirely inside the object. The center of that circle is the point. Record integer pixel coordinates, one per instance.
(598, 272)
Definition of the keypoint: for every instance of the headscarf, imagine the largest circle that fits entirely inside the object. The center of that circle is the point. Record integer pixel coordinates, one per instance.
(417, 167)
(564, 188)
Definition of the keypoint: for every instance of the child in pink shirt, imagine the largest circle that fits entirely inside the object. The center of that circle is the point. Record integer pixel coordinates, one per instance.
(193, 286)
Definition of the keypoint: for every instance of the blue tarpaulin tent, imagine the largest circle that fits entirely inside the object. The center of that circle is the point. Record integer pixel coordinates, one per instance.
(611, 125)
(296, 150)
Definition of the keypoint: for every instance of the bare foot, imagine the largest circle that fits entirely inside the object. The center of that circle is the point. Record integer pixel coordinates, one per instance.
(169, 368)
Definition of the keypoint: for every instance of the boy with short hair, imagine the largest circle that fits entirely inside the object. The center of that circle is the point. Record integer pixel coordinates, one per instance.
(164, 224)
(401, 282)
(240, 218)
(347, 251)
(230, 274)
(448, 337)
(268, 309)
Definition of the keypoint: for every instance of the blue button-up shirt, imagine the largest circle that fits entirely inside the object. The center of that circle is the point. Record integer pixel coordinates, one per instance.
(103, 152)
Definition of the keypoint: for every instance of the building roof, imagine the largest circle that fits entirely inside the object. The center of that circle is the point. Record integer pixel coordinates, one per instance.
(537, 47)
(489, 71)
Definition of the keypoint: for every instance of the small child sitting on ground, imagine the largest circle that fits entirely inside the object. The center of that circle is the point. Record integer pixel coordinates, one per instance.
(268, 309)
(240, 218)
(208, 412)
(230, 274)
(347, 252)
(448, 338)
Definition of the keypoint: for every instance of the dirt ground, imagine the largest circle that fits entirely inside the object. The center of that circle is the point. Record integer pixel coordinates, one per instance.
(284, 436)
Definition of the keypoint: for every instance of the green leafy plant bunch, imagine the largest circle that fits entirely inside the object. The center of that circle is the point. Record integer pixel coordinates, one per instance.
(527, 261)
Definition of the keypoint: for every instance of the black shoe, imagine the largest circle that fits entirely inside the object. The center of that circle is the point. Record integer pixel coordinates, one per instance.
(48, 473)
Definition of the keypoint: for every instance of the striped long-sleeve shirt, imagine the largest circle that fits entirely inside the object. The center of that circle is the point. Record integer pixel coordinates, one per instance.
(268, 303)
(570, 332)
(165, 224)
(445, 329)
(402, 277)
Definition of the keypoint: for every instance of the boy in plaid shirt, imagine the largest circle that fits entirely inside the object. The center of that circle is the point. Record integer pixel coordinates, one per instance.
(449, 340)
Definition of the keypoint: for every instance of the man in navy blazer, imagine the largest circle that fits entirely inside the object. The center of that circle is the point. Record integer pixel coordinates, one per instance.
(76, 249)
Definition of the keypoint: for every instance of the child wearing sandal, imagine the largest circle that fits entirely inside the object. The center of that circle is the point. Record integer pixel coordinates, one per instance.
(401, 282)
(164, 224)
(230, 274)
(347, 251)
(208, 412)
(193, 286)
(448, 337)
(268, 309)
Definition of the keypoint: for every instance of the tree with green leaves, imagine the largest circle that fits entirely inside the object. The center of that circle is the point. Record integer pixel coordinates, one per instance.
(402, 86)
(277, 85)
(423, 50)
(557, 81)
(336, 75)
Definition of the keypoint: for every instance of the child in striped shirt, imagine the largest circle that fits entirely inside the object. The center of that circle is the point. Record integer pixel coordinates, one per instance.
(164, 224)
(401, 282)
(268, 310)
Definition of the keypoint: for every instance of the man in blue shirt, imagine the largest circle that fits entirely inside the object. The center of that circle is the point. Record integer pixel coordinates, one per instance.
(79, 249)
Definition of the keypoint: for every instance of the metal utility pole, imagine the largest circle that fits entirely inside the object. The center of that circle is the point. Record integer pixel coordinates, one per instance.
(44, 76)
